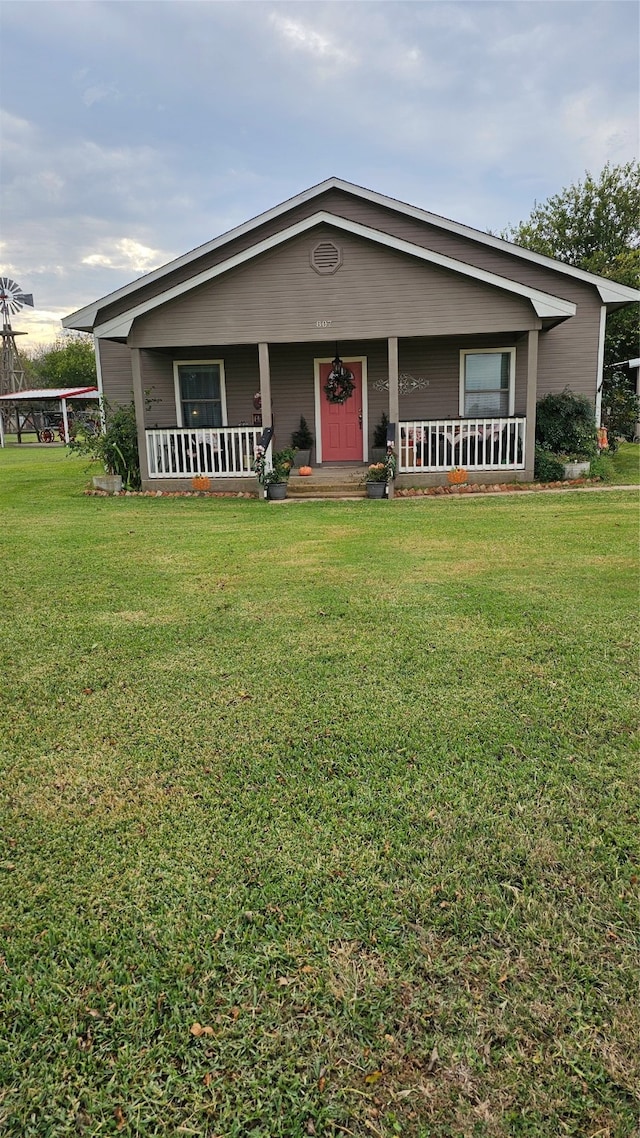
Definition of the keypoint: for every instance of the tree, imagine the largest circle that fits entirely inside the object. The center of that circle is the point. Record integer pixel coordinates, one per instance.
(69, 362)
(595, 226)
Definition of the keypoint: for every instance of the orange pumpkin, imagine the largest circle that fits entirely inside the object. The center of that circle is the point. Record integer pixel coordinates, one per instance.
(201, 482)
(457, 476)
(305, 471)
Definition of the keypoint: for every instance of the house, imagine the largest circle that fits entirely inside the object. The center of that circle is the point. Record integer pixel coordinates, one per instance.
(452, 332)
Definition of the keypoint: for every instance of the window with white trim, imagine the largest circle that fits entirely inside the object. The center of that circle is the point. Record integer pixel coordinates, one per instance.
(487, 382)
(200, 393)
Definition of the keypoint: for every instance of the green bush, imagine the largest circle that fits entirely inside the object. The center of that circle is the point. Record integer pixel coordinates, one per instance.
(380, 431)
(116, 447)
(302, 439)
(602, 467)
(547, 466)
(566, 425)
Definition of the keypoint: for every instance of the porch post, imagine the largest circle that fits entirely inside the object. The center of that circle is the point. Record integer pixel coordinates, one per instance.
(138, 399)
(65, 422)
(394, 398)
(532, 393)
(265, 384)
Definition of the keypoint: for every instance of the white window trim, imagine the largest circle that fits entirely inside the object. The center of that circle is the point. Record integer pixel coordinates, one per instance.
(318, 401)
(464, 352)
(176, 384)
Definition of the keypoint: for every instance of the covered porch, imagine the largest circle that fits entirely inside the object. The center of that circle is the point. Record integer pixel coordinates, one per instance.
(450, 401)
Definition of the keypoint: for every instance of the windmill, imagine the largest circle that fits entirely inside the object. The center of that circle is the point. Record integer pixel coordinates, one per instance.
(12, 299)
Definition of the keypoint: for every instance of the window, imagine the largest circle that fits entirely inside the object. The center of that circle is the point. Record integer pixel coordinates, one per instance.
(487, 382)
(200, 393)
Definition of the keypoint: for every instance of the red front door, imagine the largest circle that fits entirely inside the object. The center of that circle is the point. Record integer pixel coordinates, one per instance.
(341, 423)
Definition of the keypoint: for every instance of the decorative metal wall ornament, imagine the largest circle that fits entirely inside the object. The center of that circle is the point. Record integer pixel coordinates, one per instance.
(406, 383)
(340, 383)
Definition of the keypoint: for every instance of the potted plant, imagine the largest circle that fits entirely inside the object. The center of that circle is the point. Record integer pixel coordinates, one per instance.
(379, 475)
(116, 447)
(379, 448)
(275, 480)
(302, 442)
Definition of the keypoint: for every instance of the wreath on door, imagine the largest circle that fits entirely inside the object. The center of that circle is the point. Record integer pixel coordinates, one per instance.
(340, 383)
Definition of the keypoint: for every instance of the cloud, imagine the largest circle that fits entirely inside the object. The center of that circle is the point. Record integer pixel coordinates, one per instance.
(134, 132)
(127, 254)
(300, 36)
(42, 327)
(98, 93)
(601, 133)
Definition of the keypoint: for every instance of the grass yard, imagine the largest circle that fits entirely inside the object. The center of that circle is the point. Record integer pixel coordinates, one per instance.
(319, 818)
(626, 465)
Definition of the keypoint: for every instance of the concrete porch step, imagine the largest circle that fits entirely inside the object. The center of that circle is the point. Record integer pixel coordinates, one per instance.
(306, 489)
(333, 481)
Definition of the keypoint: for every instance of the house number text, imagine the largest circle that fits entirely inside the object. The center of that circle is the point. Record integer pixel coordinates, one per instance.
(323, 323)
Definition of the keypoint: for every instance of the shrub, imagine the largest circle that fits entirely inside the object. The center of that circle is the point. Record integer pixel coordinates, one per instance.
(565, 424)
(380, 431)
(548, 467)
(116, 447)
(302, 439)
(602, 467)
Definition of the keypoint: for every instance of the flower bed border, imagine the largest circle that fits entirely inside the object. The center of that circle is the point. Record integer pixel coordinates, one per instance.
(400, 492)
(492, 488)
(171, 494)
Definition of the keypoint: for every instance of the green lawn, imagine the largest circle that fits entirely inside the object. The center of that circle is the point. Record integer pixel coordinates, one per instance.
(350, 785)
(626, 464)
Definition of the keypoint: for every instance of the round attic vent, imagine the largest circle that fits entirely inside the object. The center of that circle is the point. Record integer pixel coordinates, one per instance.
(326, 257)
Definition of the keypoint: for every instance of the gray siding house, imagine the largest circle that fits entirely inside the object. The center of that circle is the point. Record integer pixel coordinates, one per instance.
(451, 332)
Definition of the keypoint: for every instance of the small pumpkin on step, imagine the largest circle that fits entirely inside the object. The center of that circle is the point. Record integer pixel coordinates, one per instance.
(305, 471)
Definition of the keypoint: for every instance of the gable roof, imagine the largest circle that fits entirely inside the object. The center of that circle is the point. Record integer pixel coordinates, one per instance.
(544, 304)
(610, 292)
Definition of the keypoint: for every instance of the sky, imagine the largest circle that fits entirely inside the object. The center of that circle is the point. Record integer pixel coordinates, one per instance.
(131, 133)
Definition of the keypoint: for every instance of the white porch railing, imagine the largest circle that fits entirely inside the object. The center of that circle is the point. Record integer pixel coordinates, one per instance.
(476, 444)
(218, 452)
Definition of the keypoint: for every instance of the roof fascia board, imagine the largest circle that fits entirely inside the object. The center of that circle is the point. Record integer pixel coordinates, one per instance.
(544, 303)
(610, 292)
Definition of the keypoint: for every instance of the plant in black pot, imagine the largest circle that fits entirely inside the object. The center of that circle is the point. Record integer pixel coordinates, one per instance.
(380, 474)
(302, 442)
(379, 449)
(275, 480)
